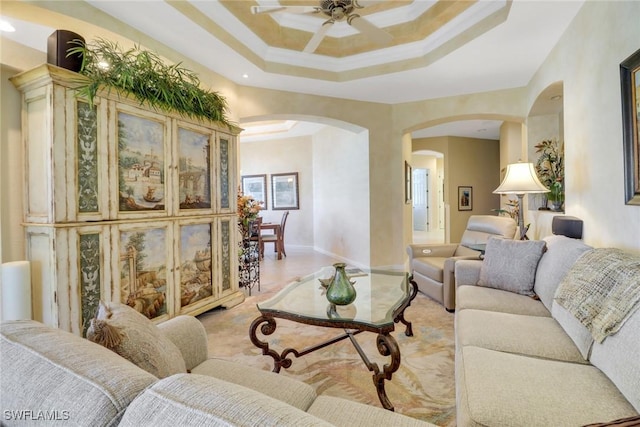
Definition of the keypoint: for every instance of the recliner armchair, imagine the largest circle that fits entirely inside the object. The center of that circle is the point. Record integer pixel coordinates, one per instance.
(432, 265)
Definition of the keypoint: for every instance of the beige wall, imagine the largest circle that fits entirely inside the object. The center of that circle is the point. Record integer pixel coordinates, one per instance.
(13, 58)
(587, 59)
(512, 143)
(342, 195)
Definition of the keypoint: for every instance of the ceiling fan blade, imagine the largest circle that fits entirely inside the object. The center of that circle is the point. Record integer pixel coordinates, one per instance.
(368, 29)
(317, 37)
(359, 4)
(284, 9)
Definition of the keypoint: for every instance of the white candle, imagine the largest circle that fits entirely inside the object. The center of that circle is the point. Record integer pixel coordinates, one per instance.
(16, 290)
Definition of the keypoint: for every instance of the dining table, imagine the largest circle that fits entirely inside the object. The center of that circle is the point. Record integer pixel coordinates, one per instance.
(277, 231)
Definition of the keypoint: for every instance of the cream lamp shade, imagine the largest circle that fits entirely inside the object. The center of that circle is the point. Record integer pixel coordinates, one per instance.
(521, 179)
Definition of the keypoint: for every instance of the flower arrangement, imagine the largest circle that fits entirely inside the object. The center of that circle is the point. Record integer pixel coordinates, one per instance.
(550, 168)
(248, 210)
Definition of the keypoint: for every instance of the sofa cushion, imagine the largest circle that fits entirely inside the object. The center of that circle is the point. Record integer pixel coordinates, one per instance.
(133, 336)
(197, 400)
(562, 252)
(47, 369)
(430, 267)
(508, 389)
(511, 265)
(342, 412)
(482, 298)
(534, 336)
(621, 422)
(281, 387)
(190, 336)
(618, 357)
(580, 335)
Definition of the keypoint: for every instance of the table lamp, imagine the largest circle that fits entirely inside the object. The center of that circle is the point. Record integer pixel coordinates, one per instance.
(521, 179)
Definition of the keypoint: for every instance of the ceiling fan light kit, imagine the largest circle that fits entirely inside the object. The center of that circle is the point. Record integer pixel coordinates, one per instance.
(337, 11)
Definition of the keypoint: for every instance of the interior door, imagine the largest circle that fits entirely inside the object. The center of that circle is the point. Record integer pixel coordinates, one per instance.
(421, 199)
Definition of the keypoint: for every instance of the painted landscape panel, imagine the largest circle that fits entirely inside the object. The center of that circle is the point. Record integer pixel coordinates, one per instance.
(195, 267)
(194, 170)
(140, 163)
(143, 272)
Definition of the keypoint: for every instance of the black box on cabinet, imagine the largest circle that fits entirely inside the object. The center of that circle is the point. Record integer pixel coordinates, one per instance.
(58, 44)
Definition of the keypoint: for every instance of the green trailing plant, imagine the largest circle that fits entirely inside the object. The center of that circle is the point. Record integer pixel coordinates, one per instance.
(144, 75)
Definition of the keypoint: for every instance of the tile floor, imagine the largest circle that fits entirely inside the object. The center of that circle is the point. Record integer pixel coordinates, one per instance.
(301, 261)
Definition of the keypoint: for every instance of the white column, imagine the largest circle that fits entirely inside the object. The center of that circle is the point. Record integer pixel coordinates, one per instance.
(16, 290)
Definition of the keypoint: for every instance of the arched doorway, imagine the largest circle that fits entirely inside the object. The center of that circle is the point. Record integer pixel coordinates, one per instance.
(469, 157)
(331, 159)
(428, 206)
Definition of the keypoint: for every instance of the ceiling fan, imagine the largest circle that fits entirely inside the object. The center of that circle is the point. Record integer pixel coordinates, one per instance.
(337, 11)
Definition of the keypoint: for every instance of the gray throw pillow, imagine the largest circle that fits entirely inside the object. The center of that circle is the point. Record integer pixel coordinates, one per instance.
(510, 265)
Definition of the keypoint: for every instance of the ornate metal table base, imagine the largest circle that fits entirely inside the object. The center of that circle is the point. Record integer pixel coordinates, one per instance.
(386, 344)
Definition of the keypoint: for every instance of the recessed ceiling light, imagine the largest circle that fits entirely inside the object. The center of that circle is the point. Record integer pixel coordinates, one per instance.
(6, 26)
(245, 76)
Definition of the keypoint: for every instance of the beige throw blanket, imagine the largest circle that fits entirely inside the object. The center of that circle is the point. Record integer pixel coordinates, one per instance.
(602, 290)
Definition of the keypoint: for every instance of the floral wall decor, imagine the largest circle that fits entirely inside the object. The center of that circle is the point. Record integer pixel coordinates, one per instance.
(550, 170)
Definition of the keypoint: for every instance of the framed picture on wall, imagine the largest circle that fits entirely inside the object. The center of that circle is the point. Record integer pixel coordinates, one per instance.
(465, 198)
(408, 183)
(630, 85)
(284, 191)
(256, 186)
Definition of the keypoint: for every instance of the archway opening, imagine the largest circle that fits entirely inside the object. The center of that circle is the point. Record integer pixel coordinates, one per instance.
(331, 160)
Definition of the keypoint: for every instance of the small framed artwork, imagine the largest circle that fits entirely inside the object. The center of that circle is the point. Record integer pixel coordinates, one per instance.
(630, 85)
(465, 198)
(284, 191)
(408, 183)
(256, 186)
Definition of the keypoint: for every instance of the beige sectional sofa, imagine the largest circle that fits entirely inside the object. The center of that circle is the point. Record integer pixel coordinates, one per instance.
(525, 361)
(53, 377)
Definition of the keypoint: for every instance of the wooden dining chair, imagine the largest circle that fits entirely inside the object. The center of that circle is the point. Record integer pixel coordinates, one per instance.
(276, 238)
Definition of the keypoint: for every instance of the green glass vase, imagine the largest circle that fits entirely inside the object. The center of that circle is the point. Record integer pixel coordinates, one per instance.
(341, 291)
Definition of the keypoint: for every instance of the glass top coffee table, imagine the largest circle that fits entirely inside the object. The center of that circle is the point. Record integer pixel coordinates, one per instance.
(382, 297)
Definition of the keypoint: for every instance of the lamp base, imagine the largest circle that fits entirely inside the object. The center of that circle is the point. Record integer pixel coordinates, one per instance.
(523, 230)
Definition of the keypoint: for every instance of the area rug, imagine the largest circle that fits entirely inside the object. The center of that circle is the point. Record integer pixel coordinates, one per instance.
(423, 387)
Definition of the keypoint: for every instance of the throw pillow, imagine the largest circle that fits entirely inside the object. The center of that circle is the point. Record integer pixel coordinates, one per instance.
(510, 265)
(133, 336)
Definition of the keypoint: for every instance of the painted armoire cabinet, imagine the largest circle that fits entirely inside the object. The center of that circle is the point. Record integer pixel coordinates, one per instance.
(124, 203)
